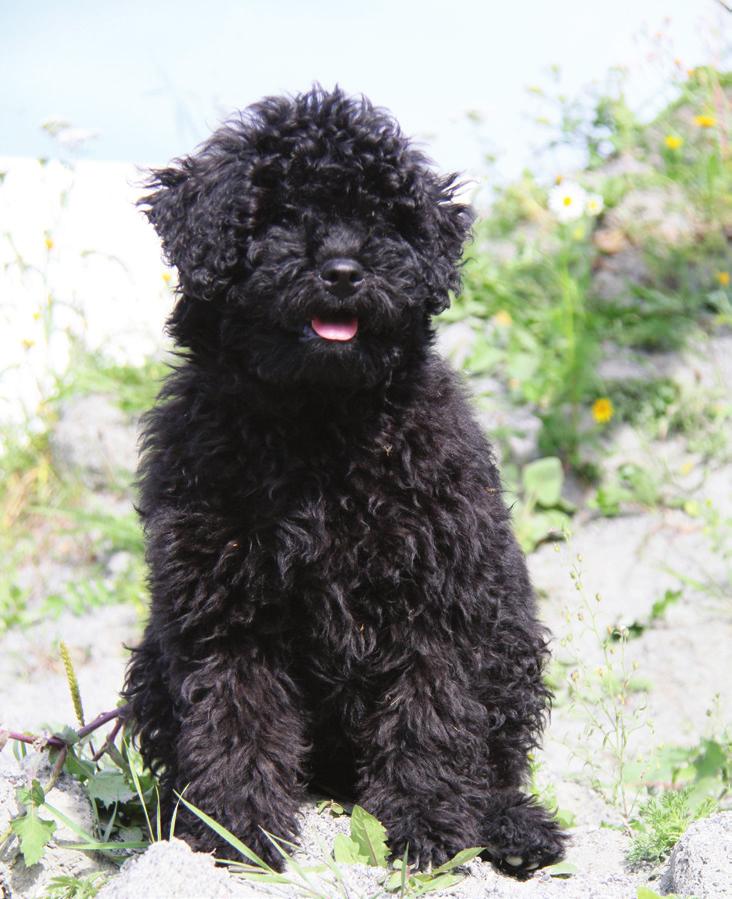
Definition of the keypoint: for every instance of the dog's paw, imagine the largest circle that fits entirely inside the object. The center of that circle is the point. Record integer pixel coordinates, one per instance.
(207, 841)
(423, 852)
(522, 838)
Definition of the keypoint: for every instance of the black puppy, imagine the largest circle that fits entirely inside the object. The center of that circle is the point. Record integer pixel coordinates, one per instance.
(337, 596)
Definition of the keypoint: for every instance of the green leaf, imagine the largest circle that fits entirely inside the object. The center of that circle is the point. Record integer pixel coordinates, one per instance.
(110, 846)
(394, 882)
(33, 832)
(648, 893)
(462, 858)
(441, 882)
(79, 769)
(109, 787)
(330, 805)
(347, 852)
(68, 735)
(32, 795)
(712, 760)
(522, 367)
(369, 834)
(227, 835)
(660, 605)
(565, 818)
(543, 481)
(561, 869)
(131, 834)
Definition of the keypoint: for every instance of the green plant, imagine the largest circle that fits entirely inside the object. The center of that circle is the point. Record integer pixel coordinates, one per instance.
(631, 485)
(638, 627)
(661, 822)
(27, 478)
(718, 532)
(644, 892)
(67, 887)
(605, 696)
(703, 770)
(13, 605)
(365, 845)
(118, 789)
(547, 795)
(541, 512)
(134, 387)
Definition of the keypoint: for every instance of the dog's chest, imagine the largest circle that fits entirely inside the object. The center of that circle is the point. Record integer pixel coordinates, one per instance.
(350, 543)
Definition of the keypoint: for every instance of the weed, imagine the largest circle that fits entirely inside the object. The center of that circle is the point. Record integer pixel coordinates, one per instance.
(366, 845)
(68, 887)
(133, 387)
(661, 821)
(604, 696)
(540, 513)
(638, 627)
(631, 485)
(13, 605)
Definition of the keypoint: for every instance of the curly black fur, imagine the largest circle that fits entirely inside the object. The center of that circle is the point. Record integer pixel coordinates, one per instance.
(337, 597)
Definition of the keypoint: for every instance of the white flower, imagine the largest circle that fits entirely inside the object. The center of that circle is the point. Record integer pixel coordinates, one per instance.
(594, 204)
(567, 201)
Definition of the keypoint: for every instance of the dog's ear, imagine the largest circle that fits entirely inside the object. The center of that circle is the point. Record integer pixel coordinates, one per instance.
(203, 210)
(452, 222)
(169, 206)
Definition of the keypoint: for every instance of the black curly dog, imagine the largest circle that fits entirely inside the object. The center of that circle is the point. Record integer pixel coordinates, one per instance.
(337, 596)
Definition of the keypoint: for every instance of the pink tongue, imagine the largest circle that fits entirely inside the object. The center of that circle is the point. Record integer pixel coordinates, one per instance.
(335, 330)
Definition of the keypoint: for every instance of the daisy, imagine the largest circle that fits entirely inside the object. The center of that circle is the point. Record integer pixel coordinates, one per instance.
(567, 201)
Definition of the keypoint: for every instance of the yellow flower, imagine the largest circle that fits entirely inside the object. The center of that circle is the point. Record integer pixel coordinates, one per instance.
(49, 242)
(673, 141)
(28, 343)
(705, 121)
(723, 278)
(503, 318)
(602, 410)
(594, 204)
(167, 277)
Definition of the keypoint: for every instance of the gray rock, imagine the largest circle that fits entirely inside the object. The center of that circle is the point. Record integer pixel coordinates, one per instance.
(701, 863)
(485, 882)
(620, 363)
(512, 428)
(94, 440)
(11, 777)
(618, 273)
(618, 166)
(663, 214)
(170, 870)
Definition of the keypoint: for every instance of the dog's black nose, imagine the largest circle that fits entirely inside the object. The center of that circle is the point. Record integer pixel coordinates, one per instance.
(343, 276)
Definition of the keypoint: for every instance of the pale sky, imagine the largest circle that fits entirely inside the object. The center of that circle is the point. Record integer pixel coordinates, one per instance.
(153, 77)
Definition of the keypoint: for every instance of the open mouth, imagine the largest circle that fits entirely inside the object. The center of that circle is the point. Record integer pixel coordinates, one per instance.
(330, 329)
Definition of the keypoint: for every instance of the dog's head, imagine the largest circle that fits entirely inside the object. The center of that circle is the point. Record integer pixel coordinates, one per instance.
(312, 241)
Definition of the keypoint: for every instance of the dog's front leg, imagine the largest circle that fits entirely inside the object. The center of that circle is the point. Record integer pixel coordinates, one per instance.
(423, 771)
(240, 752)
